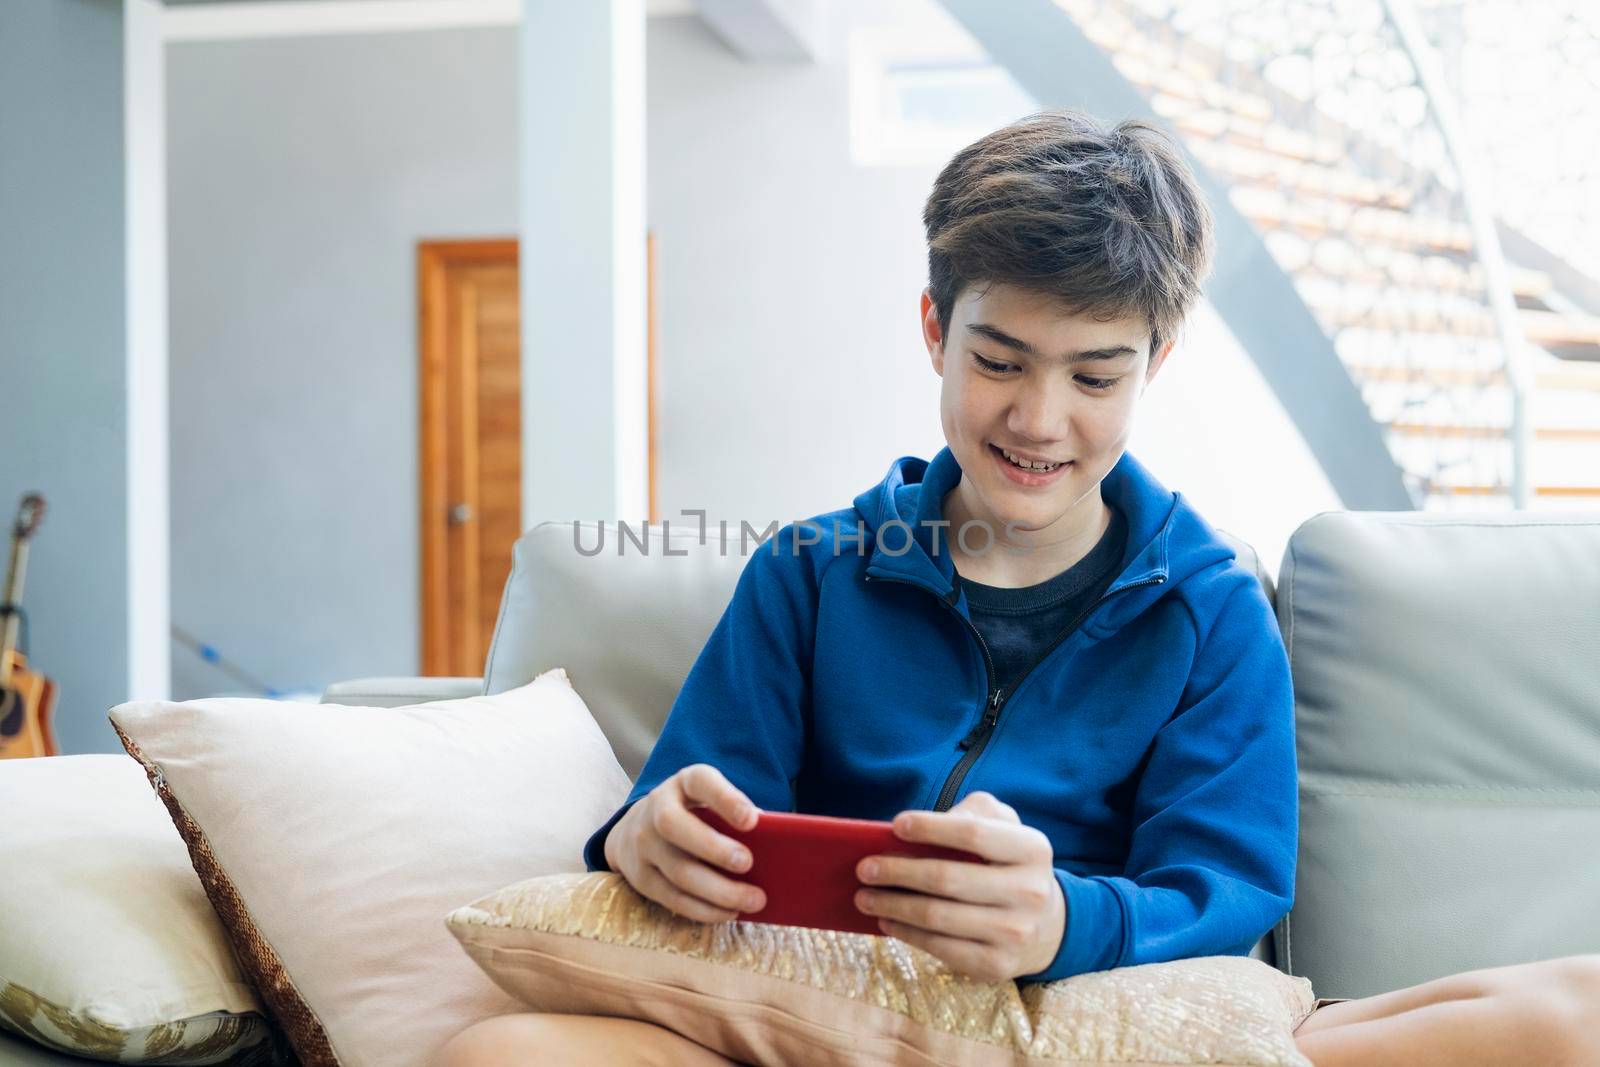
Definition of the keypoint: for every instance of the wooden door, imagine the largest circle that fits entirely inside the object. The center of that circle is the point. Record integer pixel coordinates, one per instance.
(471, 444)
(471, 434)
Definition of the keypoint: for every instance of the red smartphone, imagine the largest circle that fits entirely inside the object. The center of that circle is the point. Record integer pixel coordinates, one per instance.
(806, 865)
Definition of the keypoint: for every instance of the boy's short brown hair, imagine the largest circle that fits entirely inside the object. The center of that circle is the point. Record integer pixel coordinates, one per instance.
(1108, 218)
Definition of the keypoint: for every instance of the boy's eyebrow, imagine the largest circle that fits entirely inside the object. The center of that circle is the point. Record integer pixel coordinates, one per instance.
(999, 336)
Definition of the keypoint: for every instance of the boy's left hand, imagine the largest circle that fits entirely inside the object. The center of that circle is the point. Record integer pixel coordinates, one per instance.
(994, 920)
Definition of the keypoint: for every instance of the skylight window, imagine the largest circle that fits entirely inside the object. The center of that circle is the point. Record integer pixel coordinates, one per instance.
(919, 93)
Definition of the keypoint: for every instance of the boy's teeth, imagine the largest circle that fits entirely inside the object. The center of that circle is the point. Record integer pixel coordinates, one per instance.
(1028, 464)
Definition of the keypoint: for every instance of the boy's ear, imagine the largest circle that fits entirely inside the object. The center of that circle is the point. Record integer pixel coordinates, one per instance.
(932, 335)
(1159, 359)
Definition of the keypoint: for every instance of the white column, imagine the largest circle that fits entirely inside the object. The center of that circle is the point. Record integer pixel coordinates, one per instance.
(583, 260)
(149, 584)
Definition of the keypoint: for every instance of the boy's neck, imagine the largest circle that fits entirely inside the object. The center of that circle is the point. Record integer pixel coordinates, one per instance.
(1050, 551)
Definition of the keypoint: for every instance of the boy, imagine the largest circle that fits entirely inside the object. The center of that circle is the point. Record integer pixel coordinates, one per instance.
(1029, 649)
(1028, 646)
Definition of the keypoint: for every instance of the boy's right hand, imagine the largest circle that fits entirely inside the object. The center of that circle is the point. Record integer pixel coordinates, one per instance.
(669, 854)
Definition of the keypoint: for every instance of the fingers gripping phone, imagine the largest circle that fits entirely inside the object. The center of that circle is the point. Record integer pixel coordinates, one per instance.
(806, 865)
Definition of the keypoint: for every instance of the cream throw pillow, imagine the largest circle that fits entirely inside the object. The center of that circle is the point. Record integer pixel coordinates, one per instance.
(332, 841)
(108, 946)
(766, 994)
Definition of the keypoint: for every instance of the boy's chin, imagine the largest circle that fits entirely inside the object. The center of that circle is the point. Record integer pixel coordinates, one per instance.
(1025, 526)
(1023, 521)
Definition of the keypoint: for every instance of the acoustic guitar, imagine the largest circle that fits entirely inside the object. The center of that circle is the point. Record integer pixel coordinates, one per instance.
(27, 698)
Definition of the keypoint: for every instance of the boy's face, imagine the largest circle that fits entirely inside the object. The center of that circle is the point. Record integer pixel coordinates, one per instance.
(1023, 374)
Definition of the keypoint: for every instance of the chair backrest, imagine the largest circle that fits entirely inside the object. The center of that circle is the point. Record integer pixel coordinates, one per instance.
(626, 622)
(1447, 685)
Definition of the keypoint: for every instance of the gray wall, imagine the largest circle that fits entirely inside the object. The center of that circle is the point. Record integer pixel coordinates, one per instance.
(792, 365)
(302, 172)
(62, 343)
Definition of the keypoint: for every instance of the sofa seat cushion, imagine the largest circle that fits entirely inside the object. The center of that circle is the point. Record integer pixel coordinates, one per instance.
(767, 994)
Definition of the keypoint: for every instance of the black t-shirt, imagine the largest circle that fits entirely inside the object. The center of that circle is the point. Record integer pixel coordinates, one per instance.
(1021, 625)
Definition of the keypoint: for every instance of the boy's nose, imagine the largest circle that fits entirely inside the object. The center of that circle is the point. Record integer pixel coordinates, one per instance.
(1040, 415)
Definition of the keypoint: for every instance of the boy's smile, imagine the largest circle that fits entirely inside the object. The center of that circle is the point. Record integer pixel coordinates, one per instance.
(1037, 405)
(1025, 468)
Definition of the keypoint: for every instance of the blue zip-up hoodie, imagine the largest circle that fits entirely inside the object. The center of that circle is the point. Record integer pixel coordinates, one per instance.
(1154, 745)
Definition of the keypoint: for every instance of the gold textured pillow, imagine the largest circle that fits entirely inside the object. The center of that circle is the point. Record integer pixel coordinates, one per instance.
(588, 943)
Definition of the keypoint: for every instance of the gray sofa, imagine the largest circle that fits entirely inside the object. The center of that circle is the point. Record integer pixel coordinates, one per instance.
(1447, 685)
(1447, 682)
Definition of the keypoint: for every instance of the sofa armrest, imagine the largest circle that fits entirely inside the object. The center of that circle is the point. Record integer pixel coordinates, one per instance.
(396, 692)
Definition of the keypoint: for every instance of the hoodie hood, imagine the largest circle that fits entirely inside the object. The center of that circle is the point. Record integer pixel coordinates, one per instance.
(1167, 539)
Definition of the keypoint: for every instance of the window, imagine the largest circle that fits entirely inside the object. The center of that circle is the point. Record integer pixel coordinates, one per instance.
(920, 92)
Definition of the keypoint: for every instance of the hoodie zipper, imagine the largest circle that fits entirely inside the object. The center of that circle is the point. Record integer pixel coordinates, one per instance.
(977, 739)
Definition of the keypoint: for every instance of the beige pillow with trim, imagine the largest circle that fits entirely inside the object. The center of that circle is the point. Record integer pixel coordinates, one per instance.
(332, 840)
(765, 994)
(108, 946)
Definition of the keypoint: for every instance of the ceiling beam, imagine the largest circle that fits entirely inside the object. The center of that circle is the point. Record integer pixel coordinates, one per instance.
(783, 31)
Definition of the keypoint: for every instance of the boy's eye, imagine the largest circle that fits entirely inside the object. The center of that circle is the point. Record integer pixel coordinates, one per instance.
(990, 365)
(1000, 368)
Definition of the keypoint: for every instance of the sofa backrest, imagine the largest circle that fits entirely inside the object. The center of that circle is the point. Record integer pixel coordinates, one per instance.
(627, 622)
(1447, 684)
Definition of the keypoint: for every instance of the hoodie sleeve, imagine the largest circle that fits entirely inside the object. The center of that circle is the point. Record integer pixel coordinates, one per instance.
(1215, 820)
(744, 706)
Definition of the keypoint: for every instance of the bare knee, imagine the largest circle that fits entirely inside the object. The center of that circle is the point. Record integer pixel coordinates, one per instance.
(1580, 978)
(1573, 989)
(1546, 981)
(1568, 983)
(524, 1038)
(1552, 1004)
(501, 1041)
